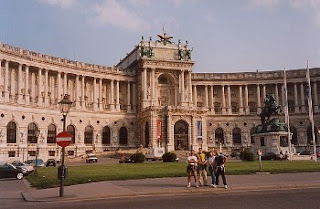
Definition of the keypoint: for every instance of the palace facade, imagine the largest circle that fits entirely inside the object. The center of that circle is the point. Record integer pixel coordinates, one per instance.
(151, 98)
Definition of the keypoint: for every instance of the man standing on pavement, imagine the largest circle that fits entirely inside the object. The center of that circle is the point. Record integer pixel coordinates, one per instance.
(220, 162)
(192, 168)
(212, 168)
(202, 167)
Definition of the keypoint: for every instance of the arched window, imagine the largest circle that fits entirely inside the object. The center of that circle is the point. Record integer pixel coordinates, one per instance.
(294, 139)
(163, 79)
(236, 135)
(252, 131)
(106, 135)
(88, 135)
(146, 135)
(11, 132)
(309, 135)
(52, 132)
(123, 136)
(72, 130)
(32, 137)
(219, 135)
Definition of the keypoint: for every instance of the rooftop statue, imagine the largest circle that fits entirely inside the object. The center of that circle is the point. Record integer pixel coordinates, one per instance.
(270, 107)
(165, 38)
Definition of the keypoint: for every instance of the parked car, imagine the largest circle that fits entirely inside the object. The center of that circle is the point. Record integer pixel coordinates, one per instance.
(19, 164)
(51, 162)
(8, 170)
(91, 158)
(38, 163)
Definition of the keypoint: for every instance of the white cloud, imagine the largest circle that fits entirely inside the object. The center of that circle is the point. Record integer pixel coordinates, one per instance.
(264, 3)
(208, 17)
(113, 13)
(60, 3)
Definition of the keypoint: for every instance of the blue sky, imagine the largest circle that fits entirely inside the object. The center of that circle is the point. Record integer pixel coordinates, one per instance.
(226, 35)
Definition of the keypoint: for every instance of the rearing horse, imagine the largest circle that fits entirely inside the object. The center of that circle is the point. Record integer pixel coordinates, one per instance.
(270, 107)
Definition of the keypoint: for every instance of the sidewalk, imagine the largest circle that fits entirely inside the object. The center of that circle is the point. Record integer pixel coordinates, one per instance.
(169, 186)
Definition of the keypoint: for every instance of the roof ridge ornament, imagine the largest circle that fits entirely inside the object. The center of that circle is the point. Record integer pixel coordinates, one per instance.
(165, 38)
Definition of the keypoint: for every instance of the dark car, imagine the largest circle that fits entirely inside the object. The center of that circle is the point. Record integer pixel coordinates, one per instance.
(51, 162)
(8, 170)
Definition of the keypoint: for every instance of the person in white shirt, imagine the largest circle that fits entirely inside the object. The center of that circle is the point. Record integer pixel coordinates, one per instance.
(192, 169)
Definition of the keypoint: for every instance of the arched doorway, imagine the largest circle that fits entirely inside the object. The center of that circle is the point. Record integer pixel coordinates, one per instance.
(181, 135)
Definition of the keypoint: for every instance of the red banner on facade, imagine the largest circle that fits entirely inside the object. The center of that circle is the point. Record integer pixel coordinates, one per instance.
(158, 129)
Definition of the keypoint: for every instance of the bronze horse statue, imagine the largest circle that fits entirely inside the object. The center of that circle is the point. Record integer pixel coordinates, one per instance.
(270, 107)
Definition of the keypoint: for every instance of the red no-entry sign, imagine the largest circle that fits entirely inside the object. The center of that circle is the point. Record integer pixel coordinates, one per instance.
(64, 139)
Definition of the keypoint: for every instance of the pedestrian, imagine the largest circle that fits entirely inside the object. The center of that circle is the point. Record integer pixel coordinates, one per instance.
(192, 169)
(212, 168)
(202, 168)
(220, 163)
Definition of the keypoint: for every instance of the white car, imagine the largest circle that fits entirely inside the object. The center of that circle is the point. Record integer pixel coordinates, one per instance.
(27, 167)
(91, 158)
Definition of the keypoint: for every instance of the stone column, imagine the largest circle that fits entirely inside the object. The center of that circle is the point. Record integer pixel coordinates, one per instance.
(12, 93)
(117, 95)
(240, 101)
(152, 83)
(296, 104)
(39, 87)
(258, 99)
(182, 86)
(19, 84)
(6, 81)
(303, 104)
(315, 97)
(170, 139)
(77, 93)
(195, 96)
(223, 101)
(283, 97)
(46, 87)
(51, 85)
(65, 84)
(112, 95)
(229, 100)
(26, 86)
(206, 103)
(100, 95)
(94, 94)
(276, 93)
(246, 92)
(128, 97)
(83, 102)
(211, 99)
(189, 87)
(134, 98)
(264, 91)
(144, 83)
(59, 87)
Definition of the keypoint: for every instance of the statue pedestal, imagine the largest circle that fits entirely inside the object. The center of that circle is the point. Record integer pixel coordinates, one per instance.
(274, 142)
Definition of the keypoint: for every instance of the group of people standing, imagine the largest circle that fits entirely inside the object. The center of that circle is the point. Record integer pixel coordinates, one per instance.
(199, 163)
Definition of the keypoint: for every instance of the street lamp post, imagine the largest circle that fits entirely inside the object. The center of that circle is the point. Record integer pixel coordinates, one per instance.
(37, 133)
(64, 105)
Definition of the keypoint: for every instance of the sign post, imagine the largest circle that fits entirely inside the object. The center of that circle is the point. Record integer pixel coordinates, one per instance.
(63, 140)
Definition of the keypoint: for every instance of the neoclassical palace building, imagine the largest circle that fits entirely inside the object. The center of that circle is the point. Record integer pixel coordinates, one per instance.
(151, 98)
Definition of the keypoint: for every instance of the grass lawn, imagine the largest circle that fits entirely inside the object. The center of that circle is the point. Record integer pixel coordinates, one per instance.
(48, 177)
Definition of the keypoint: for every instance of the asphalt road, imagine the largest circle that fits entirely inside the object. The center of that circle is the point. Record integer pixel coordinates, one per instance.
(293, 199)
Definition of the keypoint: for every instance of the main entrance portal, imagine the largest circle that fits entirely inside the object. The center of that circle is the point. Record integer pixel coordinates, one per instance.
(181, 135)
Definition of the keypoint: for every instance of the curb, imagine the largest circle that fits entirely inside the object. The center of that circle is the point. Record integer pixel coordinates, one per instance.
(29, 198)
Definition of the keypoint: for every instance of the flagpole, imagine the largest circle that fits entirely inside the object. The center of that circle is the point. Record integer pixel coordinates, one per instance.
(286, 113)
(311, 111)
